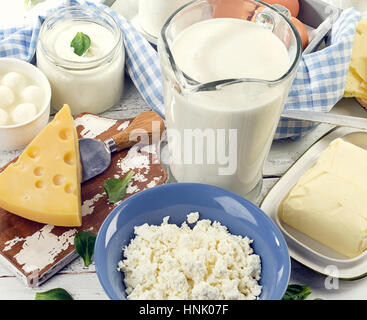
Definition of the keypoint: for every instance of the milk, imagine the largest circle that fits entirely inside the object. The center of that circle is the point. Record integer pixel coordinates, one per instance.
(235, 125)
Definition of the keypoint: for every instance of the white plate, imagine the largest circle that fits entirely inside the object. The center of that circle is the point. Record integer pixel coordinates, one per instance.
(129, 10)
(301, 247)
(135, 22)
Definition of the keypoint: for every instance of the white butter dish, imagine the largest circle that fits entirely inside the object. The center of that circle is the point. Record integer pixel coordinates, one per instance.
(301, 247)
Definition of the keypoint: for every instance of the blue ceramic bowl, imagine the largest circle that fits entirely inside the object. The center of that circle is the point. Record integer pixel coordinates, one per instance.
(177, 200)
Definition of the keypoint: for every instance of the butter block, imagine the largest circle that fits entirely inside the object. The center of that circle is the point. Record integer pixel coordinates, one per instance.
(329, 202)
(44, 184)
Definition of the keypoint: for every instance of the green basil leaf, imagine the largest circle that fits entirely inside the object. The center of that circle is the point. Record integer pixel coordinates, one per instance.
(84, 244)
(54, 294)
(116, 188)
(296, 292)
(28, 2)
(80, 43)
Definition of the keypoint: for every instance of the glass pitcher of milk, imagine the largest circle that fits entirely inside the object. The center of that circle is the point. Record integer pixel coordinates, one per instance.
(227, 67)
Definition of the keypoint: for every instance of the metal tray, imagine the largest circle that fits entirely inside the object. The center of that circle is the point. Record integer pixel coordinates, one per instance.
(319, 17)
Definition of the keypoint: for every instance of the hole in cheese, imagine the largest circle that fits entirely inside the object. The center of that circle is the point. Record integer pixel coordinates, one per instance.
(33, 152)
(69, 158)
(39, 171)
(65, 134)
(58, 180)
(39, 184)
(69, 188)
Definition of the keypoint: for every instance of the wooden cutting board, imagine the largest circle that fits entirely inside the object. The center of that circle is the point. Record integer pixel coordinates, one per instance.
(35, 251)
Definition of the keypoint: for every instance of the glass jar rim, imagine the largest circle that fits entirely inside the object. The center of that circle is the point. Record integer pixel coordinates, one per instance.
(80, 65)
(196, 86)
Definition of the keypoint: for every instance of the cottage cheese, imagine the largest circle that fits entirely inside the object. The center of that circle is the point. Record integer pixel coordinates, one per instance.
(192, 217)
(204, 263)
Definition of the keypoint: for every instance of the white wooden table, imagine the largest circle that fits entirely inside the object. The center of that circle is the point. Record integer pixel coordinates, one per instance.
(82, 283)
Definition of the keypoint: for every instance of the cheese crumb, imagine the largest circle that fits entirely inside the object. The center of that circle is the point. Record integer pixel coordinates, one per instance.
(205, 262)
(192, 217)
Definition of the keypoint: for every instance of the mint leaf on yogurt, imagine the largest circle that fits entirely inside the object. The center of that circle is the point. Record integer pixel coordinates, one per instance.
(80, 43)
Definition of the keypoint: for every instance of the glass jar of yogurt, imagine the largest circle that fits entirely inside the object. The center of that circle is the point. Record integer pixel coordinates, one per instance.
(90, 82)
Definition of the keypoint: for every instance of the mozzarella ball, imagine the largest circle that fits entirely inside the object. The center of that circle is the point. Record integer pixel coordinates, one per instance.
(6, 97)
(14, 80)
(3, 117)
(32, 94)
(23, 112)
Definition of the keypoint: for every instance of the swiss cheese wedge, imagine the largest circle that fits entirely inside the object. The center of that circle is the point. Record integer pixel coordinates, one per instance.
(44, 184)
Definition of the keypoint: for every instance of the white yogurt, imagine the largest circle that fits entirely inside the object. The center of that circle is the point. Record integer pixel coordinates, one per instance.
(154, 13)
(58, 41)
(92, 82)
(220, 49)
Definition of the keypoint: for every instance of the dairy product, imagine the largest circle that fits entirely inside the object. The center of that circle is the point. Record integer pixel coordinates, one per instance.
(23, 112)
(92, 82)
(206, 262)
(43, 185)
(226, 48)
(356, 85)
(329, 201)
(59, 40)
(32, 94)
(3, 117)
(154, 13)
(7, 97)
(21, 98)
(14, 80)
(192, 217)
(218, 49)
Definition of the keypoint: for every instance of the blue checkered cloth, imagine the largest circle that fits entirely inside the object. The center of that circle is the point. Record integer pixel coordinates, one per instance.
(321, 76)
(318, 86)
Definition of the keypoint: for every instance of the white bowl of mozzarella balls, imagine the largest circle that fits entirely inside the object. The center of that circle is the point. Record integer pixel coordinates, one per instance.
(25, 96)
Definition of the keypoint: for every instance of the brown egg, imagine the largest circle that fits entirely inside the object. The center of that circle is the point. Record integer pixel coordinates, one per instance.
(302, 31)
(292, 5)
